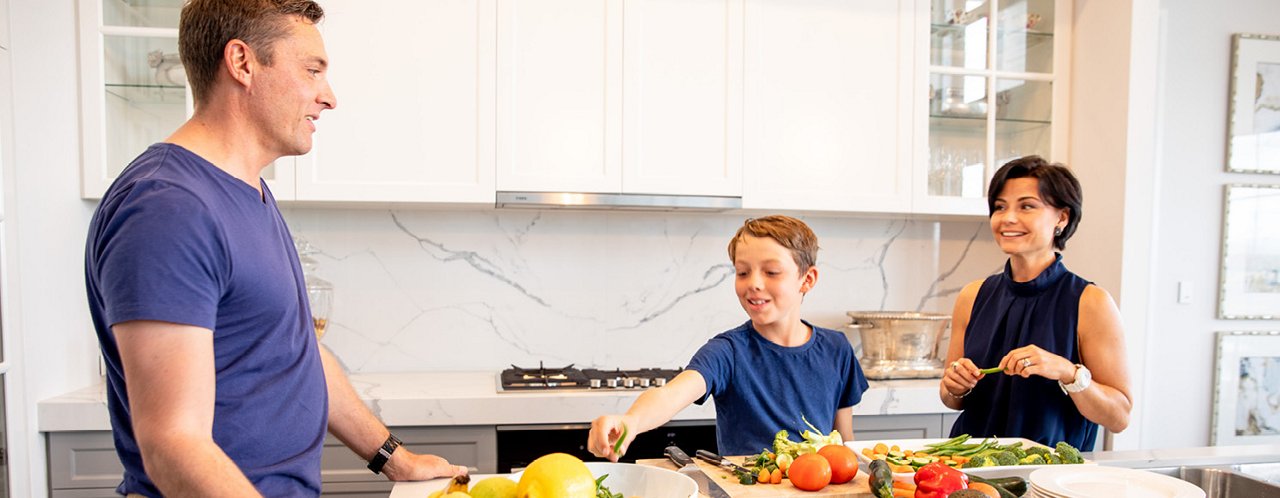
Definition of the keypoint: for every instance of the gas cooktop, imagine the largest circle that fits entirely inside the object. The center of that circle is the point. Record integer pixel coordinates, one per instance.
(543, 378)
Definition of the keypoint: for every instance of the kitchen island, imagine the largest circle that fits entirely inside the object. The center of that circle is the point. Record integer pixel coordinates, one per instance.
(458, 415)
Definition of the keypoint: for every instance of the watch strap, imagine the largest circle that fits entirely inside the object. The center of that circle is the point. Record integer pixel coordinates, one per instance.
(1081, 382)
(384, 453)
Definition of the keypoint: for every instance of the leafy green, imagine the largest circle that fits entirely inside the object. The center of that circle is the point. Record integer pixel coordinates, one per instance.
(602, 491)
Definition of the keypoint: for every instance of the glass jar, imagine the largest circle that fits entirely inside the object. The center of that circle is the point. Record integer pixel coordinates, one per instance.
(319, 291)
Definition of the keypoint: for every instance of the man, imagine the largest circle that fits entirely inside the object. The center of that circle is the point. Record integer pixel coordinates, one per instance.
(216, 384)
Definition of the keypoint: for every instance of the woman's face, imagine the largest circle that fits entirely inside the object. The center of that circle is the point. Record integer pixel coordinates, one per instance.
(1023, 223)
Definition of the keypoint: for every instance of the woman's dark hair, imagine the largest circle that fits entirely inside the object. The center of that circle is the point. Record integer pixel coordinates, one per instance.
(1058, 187)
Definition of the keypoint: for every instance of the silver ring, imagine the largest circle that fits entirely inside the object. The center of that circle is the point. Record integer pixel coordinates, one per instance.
(955, 365)
(1026, 363)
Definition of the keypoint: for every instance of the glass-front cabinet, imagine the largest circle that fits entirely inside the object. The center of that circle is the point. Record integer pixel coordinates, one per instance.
(996, 90)
(133, 88)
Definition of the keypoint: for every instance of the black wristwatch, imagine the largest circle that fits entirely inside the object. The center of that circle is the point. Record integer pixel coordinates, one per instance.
(384, 453)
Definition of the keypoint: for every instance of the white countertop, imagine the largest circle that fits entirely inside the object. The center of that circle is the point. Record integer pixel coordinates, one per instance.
(472, 398)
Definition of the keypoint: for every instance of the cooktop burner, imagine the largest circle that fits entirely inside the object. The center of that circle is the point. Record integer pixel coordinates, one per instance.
(564, 378)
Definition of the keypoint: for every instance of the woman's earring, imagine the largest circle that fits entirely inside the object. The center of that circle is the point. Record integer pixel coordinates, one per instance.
(1057, 231)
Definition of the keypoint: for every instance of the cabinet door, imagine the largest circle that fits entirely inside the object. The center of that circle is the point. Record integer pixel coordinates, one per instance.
(414, 118)
(828, 105)
(559, 95)
(682, 97)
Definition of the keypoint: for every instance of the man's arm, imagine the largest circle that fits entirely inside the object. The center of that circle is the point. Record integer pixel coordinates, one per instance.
(352, 423)
(169, 375)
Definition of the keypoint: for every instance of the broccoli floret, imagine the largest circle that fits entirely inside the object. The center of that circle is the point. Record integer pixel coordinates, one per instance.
(1039, 450)
(979, 461)
(1068, 453)
(1004, 458)
(1054, 459)
(1032, 459)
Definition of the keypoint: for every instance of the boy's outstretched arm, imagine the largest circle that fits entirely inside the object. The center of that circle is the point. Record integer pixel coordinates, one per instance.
(844, 423)
(652, 409)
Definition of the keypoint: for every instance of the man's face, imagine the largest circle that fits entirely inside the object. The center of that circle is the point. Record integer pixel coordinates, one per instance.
(289, 95)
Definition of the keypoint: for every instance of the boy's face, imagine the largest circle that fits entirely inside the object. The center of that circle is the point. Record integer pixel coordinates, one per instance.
(769, 284)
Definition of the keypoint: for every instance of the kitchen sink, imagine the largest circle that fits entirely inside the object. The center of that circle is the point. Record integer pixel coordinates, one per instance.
(1232, 481)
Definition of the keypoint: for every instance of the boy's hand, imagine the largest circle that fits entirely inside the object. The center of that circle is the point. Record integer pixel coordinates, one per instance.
(605, 433)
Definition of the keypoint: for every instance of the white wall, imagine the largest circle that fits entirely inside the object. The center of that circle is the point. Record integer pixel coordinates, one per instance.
(1194, 81)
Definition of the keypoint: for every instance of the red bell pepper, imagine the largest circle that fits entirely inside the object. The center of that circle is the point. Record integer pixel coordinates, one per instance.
(937, 480)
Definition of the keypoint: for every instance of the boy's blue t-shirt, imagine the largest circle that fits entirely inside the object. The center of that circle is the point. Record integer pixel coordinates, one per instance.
(176, 239)
(761, 388)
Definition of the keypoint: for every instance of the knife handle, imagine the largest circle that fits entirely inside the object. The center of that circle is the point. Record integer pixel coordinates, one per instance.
(709, 456)
(678, 456)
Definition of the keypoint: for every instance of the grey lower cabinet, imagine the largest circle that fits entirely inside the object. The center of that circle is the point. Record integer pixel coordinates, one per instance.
(84, 464)
(877, 427)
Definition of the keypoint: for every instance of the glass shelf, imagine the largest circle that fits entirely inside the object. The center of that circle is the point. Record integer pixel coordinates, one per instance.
(958, 29)
(148, 94)
(984, 118)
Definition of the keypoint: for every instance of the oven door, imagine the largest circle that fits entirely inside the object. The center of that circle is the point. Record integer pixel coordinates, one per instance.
(518, 445)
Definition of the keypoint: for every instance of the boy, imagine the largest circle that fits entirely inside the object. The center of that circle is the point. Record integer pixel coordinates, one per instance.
(766, 373)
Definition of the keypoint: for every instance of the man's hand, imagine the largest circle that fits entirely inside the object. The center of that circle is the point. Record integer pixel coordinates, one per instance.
(405, 465)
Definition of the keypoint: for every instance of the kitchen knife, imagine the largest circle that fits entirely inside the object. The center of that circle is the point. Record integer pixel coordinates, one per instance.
(687, 467)
(724, 463)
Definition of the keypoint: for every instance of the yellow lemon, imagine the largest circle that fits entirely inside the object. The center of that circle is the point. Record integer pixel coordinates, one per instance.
(456, 494)
(494, 487)
(557, 475)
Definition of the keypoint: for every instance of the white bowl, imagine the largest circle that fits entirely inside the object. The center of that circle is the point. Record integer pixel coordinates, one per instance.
(641, 480)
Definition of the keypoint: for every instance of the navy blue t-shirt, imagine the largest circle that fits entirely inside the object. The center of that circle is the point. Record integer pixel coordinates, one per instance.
(176, 239)
(761, 388)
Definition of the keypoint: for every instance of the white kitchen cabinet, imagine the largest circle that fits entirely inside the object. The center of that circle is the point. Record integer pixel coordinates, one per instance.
(133, 90)
(994, 74)
(828, 105)
(620, 97)
(414, 120)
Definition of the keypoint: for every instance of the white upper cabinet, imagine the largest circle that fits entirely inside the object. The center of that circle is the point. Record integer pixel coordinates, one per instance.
(682, 97)
(828, 105)
(4, 24)
(994, 75)
(414, 120)
(620, 97)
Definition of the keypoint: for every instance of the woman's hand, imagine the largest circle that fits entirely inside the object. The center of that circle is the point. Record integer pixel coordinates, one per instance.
(1031, 360)
(960, 377)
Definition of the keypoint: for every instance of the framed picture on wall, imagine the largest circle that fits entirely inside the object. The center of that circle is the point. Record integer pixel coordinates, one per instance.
(1246, 383)
(1250, 273)
(1253, 132)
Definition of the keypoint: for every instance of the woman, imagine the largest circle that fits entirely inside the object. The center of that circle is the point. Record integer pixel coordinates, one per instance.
(1056, 337)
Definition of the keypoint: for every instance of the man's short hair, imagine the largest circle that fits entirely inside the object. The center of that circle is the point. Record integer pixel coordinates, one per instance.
(789, 232)
(205, 27)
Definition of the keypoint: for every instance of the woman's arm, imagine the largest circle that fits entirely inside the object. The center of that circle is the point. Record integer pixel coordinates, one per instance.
(961, 374)
(1107, 401)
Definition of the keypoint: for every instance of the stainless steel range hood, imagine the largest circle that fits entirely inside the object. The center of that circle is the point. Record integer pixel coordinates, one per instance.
(628, 202)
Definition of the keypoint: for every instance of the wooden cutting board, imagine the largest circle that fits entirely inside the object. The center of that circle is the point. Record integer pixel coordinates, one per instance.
(856, 488)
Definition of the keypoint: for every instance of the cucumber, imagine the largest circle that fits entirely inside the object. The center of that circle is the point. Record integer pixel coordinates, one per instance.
(1014, 486)
(921, 461)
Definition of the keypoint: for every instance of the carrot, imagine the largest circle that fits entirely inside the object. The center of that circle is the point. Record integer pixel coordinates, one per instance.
(764, 476)
(879, 456)
(904, 493)
(881, 449)
(901, 468)
(868, 452)
(776, 477)
(908, 453)
(895, 448)
(903, 485)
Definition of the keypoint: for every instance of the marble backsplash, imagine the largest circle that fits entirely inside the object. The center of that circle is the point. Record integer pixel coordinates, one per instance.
(423, 290)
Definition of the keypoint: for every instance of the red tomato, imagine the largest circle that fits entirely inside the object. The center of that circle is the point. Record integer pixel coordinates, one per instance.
(810, 472)
(844, 462)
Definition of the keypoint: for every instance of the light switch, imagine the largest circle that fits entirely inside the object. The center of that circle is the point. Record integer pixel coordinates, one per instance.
(1184, 292)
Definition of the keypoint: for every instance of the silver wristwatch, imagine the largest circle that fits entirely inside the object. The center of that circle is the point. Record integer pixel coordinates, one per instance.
(1083, 380)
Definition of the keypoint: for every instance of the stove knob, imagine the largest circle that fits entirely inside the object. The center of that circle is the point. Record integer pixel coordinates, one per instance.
(612, 382)
(595, 383)
(644, 381)
(660, 381)
(629, 382)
